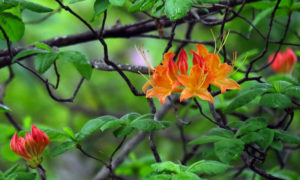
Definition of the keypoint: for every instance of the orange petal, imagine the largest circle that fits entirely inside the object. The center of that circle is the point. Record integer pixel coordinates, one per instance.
(186, 93)
(182, 62)
(146, 85)
(205, 95)
(167, 56)
(212, 61)
(201, 51)
(226, 84)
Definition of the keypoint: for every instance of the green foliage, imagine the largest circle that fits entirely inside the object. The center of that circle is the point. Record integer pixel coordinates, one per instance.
(208, 167)
(100, 6)
(79, 60)
(176, 9)
(228, 149)
(147, 125)
(12, 25)
(4, 108)
(166, 167)
(26, 53)
(275, 100)
(250, 125)
(63, 147)
(44, 61)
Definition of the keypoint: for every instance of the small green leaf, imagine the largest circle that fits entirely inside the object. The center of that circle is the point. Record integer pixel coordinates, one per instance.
(22, 176)
(75, 1)
(147, 125)
(281, 86)
(92, 126)
(287, 137)
(261, 5)
(43, 46)
(293, 91)
(228, 149)
(136, 6)
(123, 131)
(207, 139)
(295, 7)
(221, 132)
(159, 177)
(100, 6)
(146, 5)
(244, 98)
(44, 61)
(208, 167)
(277, 144)
(166, 166)
(131, 116)
(64, 147)
(251, 137)
(12, 25)
(69, 132)
(113, 124)
(252, 124)
(28, 52)
(185, 176)
(158, 9)
(55, 135)
(117, 2)
(176, 9)
(283, 77)
(267, 136)
(7, 5)
(34, 7)
(11, 170)
(275, 100)
(236, 124)
(79, 60)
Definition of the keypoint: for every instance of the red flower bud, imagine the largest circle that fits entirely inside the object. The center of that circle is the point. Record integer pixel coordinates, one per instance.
(284, 62)
(172, 69)
(182, 62)
(31, 147)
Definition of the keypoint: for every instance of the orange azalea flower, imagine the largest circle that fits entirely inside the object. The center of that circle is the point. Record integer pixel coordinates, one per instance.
(31, 147)
(219, 71)
(182, 62)
(163, 80)
(195, 84)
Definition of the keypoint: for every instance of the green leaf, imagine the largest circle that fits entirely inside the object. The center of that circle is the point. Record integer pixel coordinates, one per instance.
(186, 176)
(158, 9)
(281, 86)
(176, 9)
(11, 170)
(148, 4)
(261, 5)
(267, 136)
(136, 6)
(293, 91)
(251, 137)
(28, 52)
(43, 46)
(295, 7)
(79, 60)
(236, 124)
(117, 2)
(64, 147)
(123, 131)
(277, 144)
(113, 124)
(44, 61)
(287, 137)
(147, 125)
(228, 149)
(131, 116)
(92, 126)
(4, 108)
(166, 166)
(7, 5)
(12, 25)
(208, 167)
(221, 132)
(244, 98)
(100, 6)
(262, 15)
(207, 139)
(251, 125)
(209, 1)
(69, 132)
(22, 176)
(75, 1)
(34, 7)
(55, 135)
(283, 77)
(275, 100)
(159, 177)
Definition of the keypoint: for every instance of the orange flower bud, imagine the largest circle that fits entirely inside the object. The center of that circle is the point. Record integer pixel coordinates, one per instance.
(284, 62)
(182, 62)
(31, 147)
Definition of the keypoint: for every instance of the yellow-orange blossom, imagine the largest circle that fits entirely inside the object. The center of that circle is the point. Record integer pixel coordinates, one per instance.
(207, 69)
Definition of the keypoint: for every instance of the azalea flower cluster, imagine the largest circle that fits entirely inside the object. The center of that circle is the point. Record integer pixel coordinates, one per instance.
(170, 77)
(31, 147)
